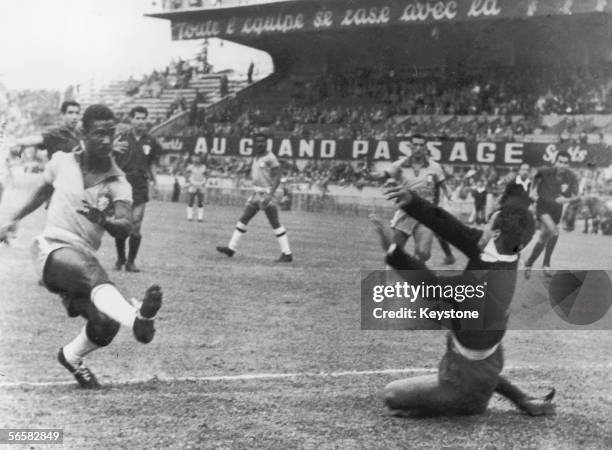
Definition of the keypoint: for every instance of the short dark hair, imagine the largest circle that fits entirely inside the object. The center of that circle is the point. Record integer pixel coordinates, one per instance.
(139, 109)
(66, 104)
(562, 153)
(96, 112)
(418, 136)
(517, 227)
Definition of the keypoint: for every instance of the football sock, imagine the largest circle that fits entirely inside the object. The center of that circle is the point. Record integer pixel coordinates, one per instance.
(550, 246)
(236, 235)
(535, 253)
(283, 240)
(200, 213)
(120, 246)
(109, 300)
(189, 213)
(134, 245)
(78, 348)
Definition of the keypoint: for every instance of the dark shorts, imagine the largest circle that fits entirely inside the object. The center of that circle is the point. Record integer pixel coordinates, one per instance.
(73, 274)
(472, 382)
(549, 207)
(140, 193)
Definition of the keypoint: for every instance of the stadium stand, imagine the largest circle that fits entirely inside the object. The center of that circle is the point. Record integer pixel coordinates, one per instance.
(170, 100)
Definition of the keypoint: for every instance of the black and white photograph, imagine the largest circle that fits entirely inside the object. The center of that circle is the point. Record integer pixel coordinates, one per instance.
(306, 224)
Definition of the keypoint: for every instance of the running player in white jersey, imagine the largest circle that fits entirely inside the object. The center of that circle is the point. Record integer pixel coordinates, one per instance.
(89, 195)
(423, 176)
(266, 176)
(196, 181)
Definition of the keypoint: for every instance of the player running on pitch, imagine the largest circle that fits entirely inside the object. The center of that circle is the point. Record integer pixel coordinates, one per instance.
(469, 372)
(84, 187)
(426, 177)
(266, 176)
(196, 180)
(552, 188)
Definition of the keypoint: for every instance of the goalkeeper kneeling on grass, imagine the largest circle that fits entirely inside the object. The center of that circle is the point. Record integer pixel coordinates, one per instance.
(469, 373)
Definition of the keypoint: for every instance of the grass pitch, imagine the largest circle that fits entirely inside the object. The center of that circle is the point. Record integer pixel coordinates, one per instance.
(253, 354)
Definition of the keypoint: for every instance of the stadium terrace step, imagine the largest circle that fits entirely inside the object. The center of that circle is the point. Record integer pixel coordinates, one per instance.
(209, 85)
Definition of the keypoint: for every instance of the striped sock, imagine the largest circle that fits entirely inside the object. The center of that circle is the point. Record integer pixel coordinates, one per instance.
(236, 235)
(283, 240)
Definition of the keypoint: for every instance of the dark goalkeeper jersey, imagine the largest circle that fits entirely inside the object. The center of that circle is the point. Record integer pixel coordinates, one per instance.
(552, 183)
(498, 274)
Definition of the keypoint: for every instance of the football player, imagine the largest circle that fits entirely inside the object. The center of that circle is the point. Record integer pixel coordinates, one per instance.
(266, 176)
(88, 195)
(552, 188)
(469, 372)
(195, 175)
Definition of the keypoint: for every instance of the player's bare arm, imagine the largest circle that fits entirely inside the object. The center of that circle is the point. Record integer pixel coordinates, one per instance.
(275, 174)
(40, 195)
(28, 141)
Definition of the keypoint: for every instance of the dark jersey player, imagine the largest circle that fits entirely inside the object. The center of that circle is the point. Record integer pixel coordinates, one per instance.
(552, 188)
(469, 372)
(64, 138)
(138, 160)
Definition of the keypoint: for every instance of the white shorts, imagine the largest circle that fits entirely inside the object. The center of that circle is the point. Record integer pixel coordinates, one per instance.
(403, 222)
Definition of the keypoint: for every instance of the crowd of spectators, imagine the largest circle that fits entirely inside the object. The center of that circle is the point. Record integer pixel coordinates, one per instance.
(500, 104)
(23, 113)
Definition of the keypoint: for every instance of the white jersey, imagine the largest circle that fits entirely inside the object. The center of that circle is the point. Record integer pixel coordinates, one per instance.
(423, 180)
(196, 176)
(261, 171)
(64, 223)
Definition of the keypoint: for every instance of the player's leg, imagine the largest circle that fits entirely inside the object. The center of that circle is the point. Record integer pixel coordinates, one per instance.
(121, 258)
(550, 221)
(200, 198)
(87, 291)
(135, 239)
(420, 396)
(271, 212)
(545, 234)
(249, 212)
(80, 276)
(423, 239)
(533, 406)
(449, 258)
(586, 215)
(403, 226)
(462, 387)
(190, 203)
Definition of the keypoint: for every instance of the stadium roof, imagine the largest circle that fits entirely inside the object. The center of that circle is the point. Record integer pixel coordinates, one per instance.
(248, 23)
